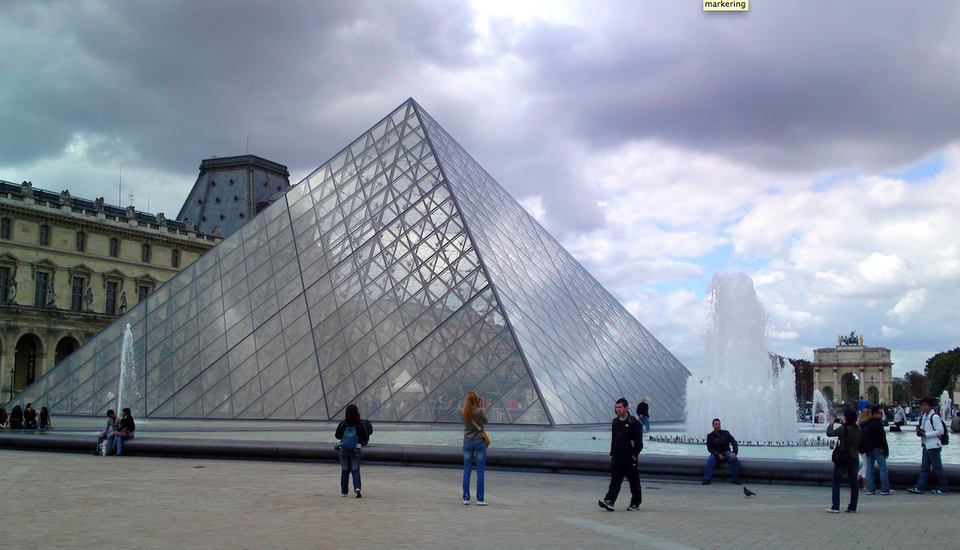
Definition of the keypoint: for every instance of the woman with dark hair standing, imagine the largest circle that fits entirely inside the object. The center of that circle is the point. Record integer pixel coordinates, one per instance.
(16, 418)
(353, 435)
(474, 445)
(849, 439)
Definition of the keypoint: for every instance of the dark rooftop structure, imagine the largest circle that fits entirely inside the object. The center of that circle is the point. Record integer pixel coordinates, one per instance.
(230, 191)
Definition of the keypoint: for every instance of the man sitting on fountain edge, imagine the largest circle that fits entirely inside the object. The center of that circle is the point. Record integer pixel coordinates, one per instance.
(718, 444)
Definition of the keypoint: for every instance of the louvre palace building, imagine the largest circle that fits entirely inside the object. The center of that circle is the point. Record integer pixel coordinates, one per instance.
(69, 266)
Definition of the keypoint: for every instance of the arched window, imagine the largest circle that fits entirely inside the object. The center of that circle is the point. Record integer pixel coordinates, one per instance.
(114, 247)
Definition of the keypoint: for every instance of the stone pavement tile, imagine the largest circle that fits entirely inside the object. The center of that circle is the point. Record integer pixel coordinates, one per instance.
(137, 502)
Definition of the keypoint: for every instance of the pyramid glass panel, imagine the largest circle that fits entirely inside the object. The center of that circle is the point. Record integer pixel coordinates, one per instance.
(399, 276)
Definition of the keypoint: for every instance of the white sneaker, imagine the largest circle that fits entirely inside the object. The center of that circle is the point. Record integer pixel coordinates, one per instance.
(343, 494)
(466, 502)
(481, 503)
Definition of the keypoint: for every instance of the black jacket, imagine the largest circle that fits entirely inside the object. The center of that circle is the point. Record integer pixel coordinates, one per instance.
(627, 441)
(643, 409)
(363, 436)
(721, 442)
(872, 437)
(127, 423)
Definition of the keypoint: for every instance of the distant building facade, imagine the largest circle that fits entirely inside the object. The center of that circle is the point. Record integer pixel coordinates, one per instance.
(70, 266)
(851, 369)
(231, 190)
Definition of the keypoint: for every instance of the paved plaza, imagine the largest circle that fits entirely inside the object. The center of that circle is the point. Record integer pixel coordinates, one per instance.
(59, 500)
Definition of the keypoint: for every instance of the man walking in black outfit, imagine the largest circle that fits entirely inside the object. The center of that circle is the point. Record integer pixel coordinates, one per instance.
(626, 444)
(643, 414)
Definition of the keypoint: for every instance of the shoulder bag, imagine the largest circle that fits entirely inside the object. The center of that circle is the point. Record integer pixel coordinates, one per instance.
(841, 456)
(486, 438)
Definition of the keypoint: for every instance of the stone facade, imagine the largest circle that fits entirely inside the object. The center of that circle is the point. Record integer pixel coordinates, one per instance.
(834, 370)
(70, 266)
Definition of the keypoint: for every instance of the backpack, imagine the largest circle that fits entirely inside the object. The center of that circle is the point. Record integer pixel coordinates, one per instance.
(945, 437)
(350, 440)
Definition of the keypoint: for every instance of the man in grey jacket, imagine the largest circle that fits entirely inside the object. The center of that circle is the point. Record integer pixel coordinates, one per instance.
(109, 433)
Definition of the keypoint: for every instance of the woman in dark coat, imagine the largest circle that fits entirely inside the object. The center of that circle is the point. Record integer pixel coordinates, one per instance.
(45, 422)
(30, 417)
(16, 418)
(125, 430)
(350, 444)
(849, 439)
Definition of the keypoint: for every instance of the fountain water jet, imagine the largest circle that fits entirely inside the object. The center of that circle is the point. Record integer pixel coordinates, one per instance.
(754, 397)
(821, 401)
(128, 389)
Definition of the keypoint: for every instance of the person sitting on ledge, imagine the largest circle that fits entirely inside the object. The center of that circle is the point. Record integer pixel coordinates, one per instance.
(45, 423)
(3, 418)
(16, 418)
(109, 433)
(899, 418)
(29, 417)
(125, 430)
(718, 443)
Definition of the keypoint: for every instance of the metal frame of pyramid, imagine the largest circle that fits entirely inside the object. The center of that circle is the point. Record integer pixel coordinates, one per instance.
(398, 276)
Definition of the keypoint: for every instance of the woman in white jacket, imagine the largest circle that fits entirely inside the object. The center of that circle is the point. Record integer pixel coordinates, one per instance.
(929, 430)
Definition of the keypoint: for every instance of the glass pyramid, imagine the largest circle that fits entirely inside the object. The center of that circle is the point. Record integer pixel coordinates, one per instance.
(398, 276)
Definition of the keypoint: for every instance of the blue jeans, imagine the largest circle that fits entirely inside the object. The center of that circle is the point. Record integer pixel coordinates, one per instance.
(646, 423)
(851, 471)
(728, 457)
(877, 455)
(349, 464)
(474, 449)
(931, 458)
(117, 442)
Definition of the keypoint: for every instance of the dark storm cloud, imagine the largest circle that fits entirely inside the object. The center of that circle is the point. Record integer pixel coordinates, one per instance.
(791, 85)
(787, 86)
(179, 81)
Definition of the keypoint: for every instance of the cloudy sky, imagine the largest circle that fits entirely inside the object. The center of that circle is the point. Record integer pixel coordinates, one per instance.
(813, 145)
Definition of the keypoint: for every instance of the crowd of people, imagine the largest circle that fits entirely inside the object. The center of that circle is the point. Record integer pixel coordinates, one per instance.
(861, 449)
(25, 418)
(899, 413)
(865, 439)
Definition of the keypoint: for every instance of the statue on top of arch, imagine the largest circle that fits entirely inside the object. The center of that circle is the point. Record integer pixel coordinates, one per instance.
(852, 340)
